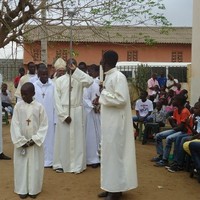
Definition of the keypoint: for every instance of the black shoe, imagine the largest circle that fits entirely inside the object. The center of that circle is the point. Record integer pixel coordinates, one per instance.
(175, 168)
(4, 157)
(161, 163)
(114, 196)
(48, 166)
(95, 165)
(156, 159)
(33, 196)
(171, 164)
(103, 194)
(23, 196)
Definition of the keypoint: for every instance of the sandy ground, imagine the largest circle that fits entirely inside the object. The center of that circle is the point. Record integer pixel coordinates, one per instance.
(154, 183)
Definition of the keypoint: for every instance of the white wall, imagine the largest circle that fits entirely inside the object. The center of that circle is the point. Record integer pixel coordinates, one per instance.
(195, 71)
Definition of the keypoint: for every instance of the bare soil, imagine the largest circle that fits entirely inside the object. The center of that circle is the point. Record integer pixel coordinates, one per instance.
(154, 183)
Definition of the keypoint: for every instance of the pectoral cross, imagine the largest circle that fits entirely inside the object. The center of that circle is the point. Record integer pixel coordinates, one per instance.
(43, 94)
(28, 121)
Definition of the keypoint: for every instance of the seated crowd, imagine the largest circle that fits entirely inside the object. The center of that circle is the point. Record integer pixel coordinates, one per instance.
(168, 104)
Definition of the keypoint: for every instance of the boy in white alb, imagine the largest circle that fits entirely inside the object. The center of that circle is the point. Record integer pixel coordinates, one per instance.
(28, 130)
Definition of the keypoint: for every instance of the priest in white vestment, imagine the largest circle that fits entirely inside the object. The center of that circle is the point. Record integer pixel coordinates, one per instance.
(44, 93)
(70, 147)
(31, 76)
(93, 125)
(28, 130)
(60, 68)
(118, 159)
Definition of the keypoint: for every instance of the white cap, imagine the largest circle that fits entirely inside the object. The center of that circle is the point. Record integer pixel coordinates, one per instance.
(60, 64)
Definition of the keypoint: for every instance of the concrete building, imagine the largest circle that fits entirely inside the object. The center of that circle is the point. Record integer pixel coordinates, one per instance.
(144, 44)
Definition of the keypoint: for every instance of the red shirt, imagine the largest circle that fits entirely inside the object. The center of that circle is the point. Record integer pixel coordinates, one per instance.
(16, 81)
(183, 118)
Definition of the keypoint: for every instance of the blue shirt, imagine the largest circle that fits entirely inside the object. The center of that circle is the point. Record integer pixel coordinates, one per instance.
(162, 81)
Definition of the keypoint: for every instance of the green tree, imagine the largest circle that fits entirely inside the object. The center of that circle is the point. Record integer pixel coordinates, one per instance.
(16, 14)
(139, 82)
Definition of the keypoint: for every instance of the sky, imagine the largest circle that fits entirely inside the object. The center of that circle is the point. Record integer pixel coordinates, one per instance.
(178, 12)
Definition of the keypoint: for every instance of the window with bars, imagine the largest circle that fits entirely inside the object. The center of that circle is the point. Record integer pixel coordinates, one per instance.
(36, 54)
(177, 56)
(132, 55)
(58, 53)
(62, 54)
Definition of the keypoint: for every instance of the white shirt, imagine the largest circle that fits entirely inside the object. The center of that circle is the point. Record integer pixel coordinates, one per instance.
(144, 107)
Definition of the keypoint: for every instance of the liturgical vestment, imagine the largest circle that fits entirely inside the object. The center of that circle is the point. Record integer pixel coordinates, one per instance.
(118, 159)
(70, 147)
(29, 121)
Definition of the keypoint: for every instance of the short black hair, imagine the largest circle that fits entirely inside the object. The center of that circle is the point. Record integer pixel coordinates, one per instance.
(4, 84)
(181, 99)
(71, 61)
(21, 69)
(197, 104)
(82, 63)
(30, 63)
(94, 67)
(28, 86)
(41, 66)
(110, 57)
(144, 92)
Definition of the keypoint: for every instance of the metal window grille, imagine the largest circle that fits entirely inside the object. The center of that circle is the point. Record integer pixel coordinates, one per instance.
(132, 56)
(36, 54)
(9, 68)
(177, 56)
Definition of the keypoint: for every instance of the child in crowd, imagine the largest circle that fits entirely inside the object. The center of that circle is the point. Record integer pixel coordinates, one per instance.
(6, 99)
(17, 78)
(179, 126)
(28, 130)
(171, 83)
(169, 107)
(178, 90)
(158, 117)
(143, 108)
(184, 92)
(162, 93)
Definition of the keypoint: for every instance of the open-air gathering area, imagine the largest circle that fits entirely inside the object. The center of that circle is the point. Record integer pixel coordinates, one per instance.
(99, 99)
(154, 183)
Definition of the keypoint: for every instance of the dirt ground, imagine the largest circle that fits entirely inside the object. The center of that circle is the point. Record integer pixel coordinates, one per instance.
(154, 183)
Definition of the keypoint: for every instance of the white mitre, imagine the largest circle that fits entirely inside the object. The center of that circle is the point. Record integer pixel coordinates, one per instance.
(60, 64)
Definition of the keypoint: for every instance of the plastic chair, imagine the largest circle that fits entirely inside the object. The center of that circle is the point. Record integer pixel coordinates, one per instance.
(5, 117)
